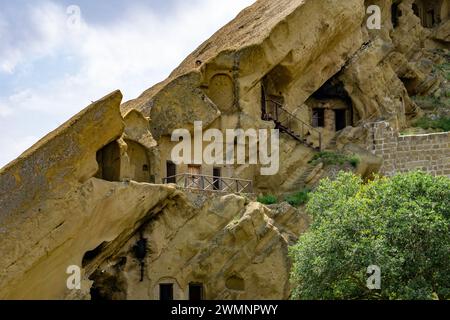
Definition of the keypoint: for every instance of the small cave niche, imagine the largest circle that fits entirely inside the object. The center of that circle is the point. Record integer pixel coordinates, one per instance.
(140, 252)
(410, 85)
(396, 13)
(235, 283)
(108, 159)
(89, 256)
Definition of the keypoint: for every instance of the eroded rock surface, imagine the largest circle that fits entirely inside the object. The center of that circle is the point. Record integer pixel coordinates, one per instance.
(94, 192)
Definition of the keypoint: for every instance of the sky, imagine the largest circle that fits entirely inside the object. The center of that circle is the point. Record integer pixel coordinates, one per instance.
(56, 57)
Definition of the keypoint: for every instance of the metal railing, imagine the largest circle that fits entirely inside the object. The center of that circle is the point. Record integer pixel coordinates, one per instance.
(289, 123)
(210, 183)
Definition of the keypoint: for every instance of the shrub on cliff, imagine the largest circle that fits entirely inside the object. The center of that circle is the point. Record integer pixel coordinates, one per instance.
(334, 158)
(267, 199)
(399, 224)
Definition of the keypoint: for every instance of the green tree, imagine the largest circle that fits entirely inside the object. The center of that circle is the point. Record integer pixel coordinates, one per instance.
(400, 224)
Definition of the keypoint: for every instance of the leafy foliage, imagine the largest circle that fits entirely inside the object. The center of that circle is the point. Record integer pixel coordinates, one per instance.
(445, 70)
(400, 224)
(428, 102)
(442, 123)
(299, 198)
(267, 199)
(333, 158)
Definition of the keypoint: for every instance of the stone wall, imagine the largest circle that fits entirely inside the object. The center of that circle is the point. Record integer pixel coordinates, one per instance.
(426, 152)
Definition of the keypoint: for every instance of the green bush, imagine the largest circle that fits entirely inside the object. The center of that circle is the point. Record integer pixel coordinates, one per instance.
(401, 224)
(445, 69)
(298, 198)
(333, 158)
(354, 161)
(267, 199)
(441, 123)
(429, 102)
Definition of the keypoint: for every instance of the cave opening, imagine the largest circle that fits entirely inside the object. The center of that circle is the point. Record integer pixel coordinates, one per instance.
(396, 13)
(108, 160)
(271, 98)
(140, 251)
(195, 291)
(430, 20)
(410, 85)
(166, 291)
(331, 106)
(416, 10)
(89, 256)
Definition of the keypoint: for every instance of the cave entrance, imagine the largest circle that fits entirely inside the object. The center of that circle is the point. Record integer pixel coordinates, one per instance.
(271, 97)
(171, 171)
(195, 291)
(166, 291)
(429, 19)
(396, 13)
(217, 173)
(416, 10)
(108, 159)
(340, 117)
(89, 256)
(331, 106)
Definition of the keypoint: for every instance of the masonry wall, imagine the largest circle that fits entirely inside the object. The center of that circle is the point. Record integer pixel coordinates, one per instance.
(426, 152)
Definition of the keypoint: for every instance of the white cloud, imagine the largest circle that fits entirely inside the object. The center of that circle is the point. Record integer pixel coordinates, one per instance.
(41, 37)
(5, 110)
(130, 54)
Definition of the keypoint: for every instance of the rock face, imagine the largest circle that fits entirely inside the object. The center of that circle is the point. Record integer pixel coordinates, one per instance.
(233, 248)
(53, 210)
(94, 193)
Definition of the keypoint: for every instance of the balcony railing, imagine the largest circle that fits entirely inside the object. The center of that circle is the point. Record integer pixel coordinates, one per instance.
(289, 123)
(210, 183)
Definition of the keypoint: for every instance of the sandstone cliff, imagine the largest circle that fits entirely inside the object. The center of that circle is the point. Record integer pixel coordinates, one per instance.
(93, 194)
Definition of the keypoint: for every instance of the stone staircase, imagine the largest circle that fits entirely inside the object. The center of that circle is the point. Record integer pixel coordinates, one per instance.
(297, 181)
(332, 145)
(301, 182)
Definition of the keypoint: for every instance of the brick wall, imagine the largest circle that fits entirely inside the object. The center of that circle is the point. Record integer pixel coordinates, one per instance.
(426, 152)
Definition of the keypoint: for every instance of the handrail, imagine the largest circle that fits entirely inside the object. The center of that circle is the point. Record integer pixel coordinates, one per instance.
(211, 183)
(285, 123)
